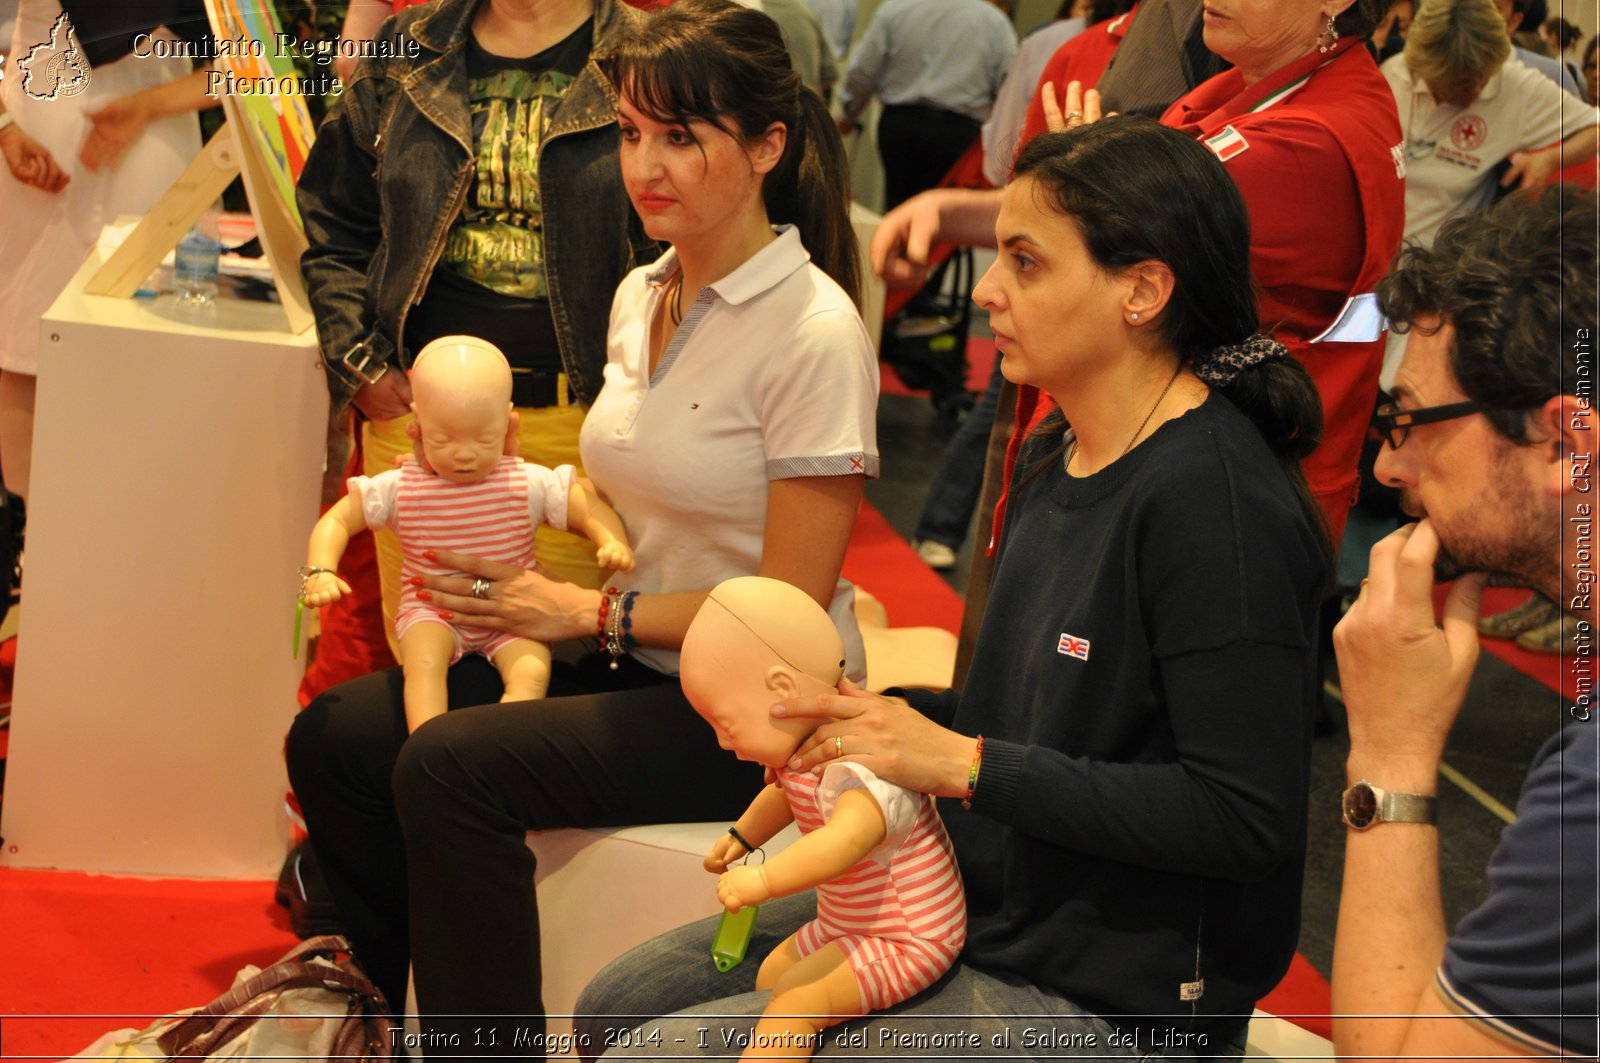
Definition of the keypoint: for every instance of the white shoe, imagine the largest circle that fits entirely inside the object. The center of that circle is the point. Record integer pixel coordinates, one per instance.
(934, 554)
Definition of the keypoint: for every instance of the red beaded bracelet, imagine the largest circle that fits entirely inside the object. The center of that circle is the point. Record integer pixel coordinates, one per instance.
(605, 611)
(972, 774)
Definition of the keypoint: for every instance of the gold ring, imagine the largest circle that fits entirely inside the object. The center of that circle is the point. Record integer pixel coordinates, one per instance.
(838, 745)
(1074, 114)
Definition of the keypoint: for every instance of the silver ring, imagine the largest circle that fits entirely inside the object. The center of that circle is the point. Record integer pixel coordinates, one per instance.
(480, 589)
(838, 745)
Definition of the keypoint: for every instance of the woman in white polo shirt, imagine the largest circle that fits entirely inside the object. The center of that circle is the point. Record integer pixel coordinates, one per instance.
(733, 434)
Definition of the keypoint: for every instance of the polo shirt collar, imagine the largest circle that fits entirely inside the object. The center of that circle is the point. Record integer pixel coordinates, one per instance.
(760, 272)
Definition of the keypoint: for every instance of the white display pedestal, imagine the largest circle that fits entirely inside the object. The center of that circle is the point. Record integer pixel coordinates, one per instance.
(176, 470)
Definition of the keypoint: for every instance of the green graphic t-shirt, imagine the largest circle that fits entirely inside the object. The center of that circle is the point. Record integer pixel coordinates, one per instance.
(490, 279)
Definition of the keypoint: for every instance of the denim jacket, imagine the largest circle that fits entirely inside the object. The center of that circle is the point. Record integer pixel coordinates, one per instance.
(389, 172)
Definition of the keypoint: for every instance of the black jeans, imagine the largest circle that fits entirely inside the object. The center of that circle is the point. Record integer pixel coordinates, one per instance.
(431, 868)
(918, 146)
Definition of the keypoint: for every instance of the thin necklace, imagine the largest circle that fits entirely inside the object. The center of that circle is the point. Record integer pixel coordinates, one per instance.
(1137, 432)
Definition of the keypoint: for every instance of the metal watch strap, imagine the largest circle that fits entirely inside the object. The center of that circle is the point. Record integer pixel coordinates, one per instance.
(1407, 808)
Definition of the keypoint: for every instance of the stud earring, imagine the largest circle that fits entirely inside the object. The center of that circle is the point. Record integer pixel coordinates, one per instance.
(1134, 315)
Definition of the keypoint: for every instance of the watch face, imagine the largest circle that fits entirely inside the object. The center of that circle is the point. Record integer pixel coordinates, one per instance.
(1360, 806)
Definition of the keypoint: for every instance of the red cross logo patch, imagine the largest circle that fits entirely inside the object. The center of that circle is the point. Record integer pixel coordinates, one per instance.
(1469, 132)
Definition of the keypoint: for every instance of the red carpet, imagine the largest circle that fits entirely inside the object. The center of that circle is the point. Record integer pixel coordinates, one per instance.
(120, 951)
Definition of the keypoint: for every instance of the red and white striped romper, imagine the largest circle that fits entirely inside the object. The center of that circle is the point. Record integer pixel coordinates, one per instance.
(900, 914)
(494, 518)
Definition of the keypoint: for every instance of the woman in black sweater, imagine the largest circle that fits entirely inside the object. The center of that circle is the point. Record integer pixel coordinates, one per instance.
(1130, 826)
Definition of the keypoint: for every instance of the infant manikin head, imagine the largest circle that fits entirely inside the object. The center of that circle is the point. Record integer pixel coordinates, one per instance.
(461, 394)
(754, 642)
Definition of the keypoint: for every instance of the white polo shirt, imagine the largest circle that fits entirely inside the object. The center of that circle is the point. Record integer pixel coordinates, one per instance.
(1451, 151)
(770, 376)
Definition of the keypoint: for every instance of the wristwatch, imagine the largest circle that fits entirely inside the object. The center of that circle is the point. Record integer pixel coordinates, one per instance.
(1364, 804)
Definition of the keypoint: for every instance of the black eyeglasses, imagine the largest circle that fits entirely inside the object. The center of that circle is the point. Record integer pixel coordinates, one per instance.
(1393, 423)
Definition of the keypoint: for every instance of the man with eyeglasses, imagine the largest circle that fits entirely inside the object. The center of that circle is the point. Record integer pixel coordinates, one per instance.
(1489, 442)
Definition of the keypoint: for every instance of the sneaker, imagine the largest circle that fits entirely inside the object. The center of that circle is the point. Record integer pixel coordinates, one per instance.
(301, 889)
(1538, 611)
(934, 554)
(1551, 637)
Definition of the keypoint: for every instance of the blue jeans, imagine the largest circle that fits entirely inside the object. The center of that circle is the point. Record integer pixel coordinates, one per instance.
(953, 493)
(970, 1013)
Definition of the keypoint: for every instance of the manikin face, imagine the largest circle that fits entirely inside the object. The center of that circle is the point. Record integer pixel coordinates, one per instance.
(689, 180)
(731, 686)
(1480, 489)
(1054, 312)
(462, 441)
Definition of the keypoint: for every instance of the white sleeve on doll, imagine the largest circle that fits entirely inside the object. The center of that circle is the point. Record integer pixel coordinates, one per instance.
(547, 493)
(376, 496)
(898, 805)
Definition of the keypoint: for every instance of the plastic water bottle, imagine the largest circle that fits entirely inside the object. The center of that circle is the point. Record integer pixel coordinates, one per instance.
(197, 263)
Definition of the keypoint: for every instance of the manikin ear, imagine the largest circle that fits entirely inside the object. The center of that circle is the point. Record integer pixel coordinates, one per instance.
(1149, 287)
(768, 148)
(513, 445)
(1562, 431)
(781, 682)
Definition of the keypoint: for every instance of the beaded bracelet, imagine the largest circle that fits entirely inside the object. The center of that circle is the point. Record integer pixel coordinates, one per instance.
(628, 644)
(972, 774)
(605, 612)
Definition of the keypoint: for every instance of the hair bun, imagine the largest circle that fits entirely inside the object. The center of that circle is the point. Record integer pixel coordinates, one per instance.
(1225, 363)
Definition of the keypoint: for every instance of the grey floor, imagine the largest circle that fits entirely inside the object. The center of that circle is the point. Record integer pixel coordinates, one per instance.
(1506, 718)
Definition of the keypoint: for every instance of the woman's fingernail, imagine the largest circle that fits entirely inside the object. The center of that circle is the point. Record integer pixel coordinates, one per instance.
(447, 616)
(778, 710)
(415, 581)
(430, 555)
(426, 596)
(794, 764)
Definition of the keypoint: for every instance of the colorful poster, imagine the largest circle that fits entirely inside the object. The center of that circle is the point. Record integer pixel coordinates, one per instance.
(262, 92)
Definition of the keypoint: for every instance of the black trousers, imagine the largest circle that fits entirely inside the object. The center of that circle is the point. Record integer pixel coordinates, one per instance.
(421, 838)
(918, 146)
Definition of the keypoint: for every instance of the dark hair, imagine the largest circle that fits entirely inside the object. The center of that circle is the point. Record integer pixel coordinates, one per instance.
(1140, 191)
(1362, 17)
(1566, 33)
(727, 65)
(1533, 12)
(1518, 284)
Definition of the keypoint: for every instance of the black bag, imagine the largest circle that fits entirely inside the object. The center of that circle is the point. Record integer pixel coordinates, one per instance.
(926, 342)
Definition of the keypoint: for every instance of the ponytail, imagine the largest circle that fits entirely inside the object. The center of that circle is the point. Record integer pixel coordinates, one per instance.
(1269, 386)
(809, 187)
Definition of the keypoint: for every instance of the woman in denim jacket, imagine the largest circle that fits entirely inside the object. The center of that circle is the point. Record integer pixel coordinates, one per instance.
(467, 183)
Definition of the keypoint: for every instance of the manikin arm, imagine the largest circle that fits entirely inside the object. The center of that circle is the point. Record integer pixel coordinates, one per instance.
(328, 542)
(856, 826)
(767, 815)
(587, 512)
